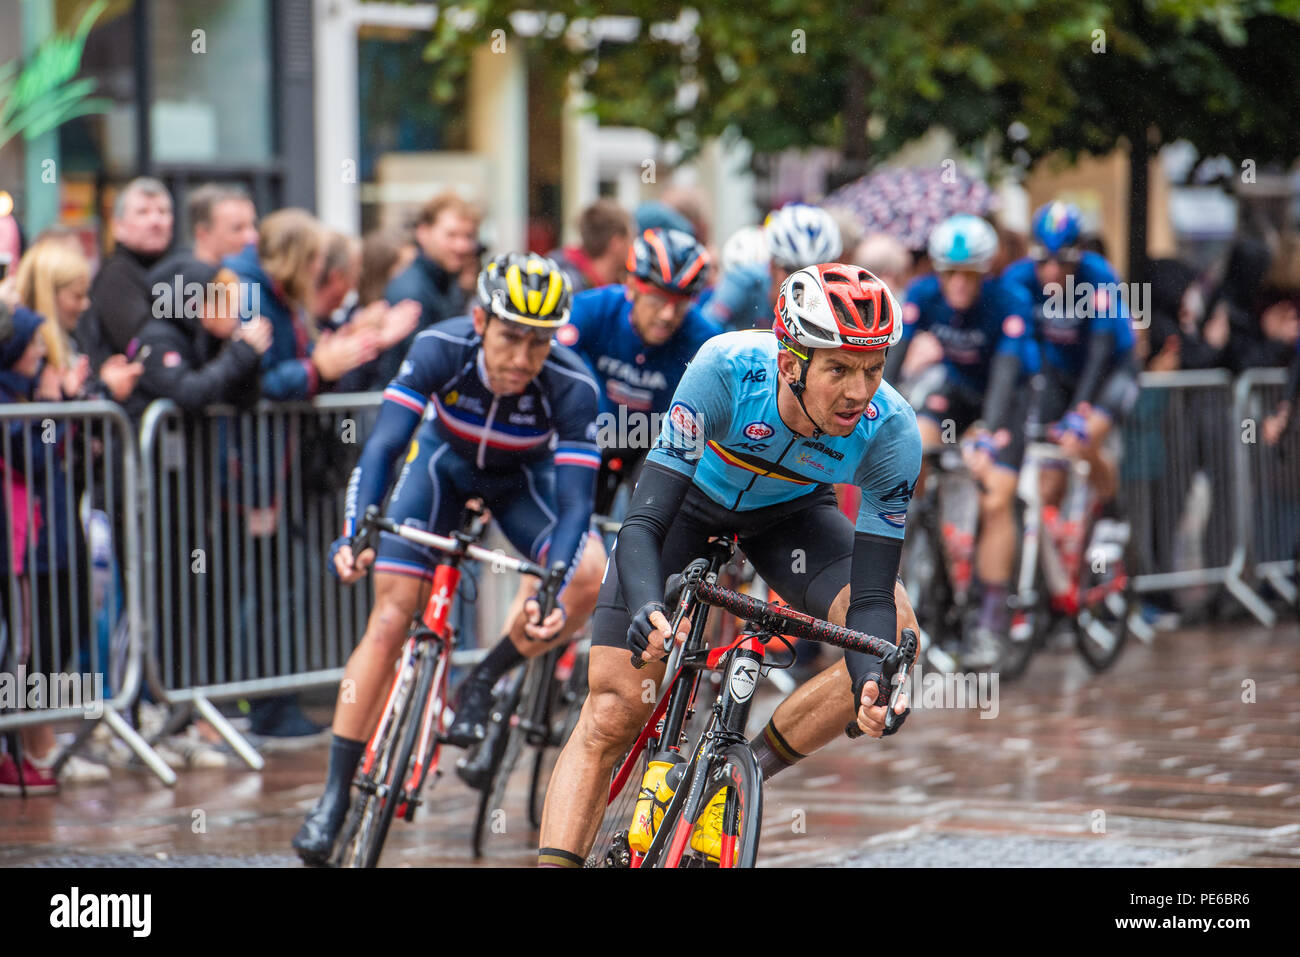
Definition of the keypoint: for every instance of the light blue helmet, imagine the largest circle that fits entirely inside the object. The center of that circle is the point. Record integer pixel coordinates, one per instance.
(963, 241)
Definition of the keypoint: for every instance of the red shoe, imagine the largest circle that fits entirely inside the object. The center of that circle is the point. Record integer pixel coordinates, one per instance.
(36, 780)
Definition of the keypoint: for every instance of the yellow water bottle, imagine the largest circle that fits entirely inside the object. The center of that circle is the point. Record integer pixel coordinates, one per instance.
(657, 787)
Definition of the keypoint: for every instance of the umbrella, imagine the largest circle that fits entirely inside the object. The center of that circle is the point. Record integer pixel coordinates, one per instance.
(908, 203)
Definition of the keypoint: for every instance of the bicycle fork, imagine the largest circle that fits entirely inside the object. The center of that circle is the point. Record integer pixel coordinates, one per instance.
(727, 727)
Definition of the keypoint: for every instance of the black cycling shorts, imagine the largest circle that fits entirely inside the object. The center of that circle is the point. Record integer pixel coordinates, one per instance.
(803, 549)
(1053, 394)
(962, 405)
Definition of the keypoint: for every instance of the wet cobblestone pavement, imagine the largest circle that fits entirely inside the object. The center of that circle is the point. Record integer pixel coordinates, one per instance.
(1167, 761)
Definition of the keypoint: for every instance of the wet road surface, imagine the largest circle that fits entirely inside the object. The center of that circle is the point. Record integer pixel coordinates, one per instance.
(1166, 761)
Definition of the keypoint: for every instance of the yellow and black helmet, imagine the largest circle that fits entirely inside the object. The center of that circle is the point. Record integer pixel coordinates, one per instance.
(525, 288)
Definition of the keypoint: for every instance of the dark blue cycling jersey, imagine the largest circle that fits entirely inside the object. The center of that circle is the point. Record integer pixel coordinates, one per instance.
(996, 324)
(630, 373)
(1066, 318)
(555, 416)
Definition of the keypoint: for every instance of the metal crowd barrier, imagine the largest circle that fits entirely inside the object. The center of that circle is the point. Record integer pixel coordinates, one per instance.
(1267, 499)
(1200, 487)
(243, 507)
(69, 530)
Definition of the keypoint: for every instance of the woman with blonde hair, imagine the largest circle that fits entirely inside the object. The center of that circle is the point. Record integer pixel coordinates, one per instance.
(53, 281)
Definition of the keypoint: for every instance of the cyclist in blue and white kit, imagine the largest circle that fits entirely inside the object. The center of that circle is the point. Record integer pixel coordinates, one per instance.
(637, 339)
(1085, 335)
(760, 428)
(513, 425)
(741, 299)
(988, 355)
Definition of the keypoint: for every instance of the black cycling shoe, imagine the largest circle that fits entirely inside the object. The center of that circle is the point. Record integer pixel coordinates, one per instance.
(314, 841)
(473, 708)
(477, 766)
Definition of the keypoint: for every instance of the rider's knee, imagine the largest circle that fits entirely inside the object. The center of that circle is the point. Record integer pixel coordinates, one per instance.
(613, 722)
(999, 494)
(390, 620)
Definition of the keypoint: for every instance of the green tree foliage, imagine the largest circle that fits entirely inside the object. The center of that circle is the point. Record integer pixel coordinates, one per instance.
(43, 94)
(865, 76)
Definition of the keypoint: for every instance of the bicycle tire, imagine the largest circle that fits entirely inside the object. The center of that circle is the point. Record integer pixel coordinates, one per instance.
(414, 710)
(490, 797)
(355, 837)
(567, 699)
(1099, 656)
(739, 763)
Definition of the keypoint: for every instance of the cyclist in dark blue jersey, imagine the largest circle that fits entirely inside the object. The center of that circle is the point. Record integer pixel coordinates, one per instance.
(761, 426)
(1081, 321)
(512, 423)
(637, 339)
(988, 354)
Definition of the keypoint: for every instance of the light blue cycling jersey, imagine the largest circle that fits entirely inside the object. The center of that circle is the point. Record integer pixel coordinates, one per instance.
(723, 430)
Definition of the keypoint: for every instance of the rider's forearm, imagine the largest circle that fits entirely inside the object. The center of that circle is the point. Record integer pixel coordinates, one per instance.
(871, 598)
(574, 487)
(1100, 349)
(639, 549)
(369, 480)
(1004, 373)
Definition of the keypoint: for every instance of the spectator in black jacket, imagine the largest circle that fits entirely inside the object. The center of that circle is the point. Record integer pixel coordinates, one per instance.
(119, 296)
(198, 351)
(447, 234)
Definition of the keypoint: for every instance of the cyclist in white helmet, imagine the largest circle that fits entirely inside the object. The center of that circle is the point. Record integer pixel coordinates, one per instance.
(982, 324)
(741, 298)
(798, 236)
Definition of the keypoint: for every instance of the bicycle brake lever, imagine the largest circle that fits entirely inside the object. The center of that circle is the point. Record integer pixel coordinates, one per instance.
(907, 648)
(905, 656)
(365, 536)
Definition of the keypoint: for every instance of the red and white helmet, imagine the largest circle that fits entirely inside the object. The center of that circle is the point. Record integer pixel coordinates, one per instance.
(837, 306)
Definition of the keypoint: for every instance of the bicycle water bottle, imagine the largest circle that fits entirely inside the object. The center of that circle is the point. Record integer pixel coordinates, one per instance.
(657, 787)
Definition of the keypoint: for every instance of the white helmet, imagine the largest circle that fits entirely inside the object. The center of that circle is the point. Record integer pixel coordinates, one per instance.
(746, 247)
(799, 235)
(964, 241)
(837, 306)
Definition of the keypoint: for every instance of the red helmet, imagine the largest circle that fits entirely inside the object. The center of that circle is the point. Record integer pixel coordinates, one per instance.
(837, 306)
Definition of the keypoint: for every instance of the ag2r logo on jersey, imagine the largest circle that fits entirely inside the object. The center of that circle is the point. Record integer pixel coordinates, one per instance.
(758, 430)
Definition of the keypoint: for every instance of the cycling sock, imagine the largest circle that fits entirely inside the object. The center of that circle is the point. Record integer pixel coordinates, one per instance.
(345, 755)
(993, 612)
(503, 656)
(772, 752)
(554, 857)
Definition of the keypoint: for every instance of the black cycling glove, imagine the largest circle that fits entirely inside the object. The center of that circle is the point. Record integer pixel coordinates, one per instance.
(638, 634)
(881, 699)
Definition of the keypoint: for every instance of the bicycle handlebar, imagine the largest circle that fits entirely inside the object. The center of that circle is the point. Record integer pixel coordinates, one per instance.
(783, 620)
(462, 546)
(896, 660)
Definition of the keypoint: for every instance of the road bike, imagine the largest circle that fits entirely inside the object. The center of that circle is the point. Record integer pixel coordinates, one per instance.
(1075, 569)
(715, 770)
(411, 726)
(534, 710)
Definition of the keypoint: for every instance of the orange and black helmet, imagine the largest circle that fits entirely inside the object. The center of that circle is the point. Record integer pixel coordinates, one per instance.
(669, 260)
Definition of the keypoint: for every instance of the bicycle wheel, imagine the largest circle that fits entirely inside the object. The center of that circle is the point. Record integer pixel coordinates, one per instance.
(567, 699)
(362, 817)
(396, 777)
(1105, 598)
(735, 770)
(508, 743)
